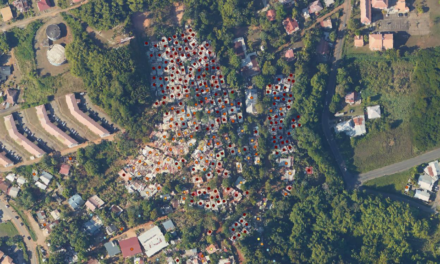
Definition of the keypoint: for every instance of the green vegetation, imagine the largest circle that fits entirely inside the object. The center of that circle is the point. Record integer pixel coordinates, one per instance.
(113, 79)
(105, 14)
(388, 80)
(8, 229)
(8, 244)
(25, 221)
(392, 183)
(425, 115)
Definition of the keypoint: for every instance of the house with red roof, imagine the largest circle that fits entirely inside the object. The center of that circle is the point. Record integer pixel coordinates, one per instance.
(43, 5)
(290, 25)
(130, 247)
(271, 15)
(289, 55)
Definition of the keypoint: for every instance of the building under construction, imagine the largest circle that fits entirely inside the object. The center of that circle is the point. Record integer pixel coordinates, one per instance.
(53, 32)
(56, 55)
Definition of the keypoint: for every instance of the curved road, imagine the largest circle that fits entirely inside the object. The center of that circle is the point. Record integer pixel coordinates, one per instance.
(31, 246)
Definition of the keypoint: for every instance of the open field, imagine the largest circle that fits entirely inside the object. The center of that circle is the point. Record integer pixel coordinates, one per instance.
(393, 183)
(7, 229)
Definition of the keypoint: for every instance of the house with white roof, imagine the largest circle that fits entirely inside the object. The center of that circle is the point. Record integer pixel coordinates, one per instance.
(433, 169)
(373, 112)
(423, 195)
(251, 101)
(153, 241)
(426, 182)
(353, 128)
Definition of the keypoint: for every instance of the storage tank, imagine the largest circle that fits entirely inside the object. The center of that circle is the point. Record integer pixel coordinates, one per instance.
(53, 32)
(56, 55)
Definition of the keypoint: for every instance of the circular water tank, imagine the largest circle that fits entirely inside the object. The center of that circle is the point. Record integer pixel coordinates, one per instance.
(53, 32)
(56, 55)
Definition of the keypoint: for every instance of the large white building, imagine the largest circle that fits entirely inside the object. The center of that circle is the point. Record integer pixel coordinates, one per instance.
(422, 195)
(251, 101)
(373, 112)
(426, 182)
(353, 128)
(153, 241)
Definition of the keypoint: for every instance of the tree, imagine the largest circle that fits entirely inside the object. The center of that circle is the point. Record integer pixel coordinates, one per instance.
(353, 24)
(419, 9)
(357, 32)
(365, 38)
(259, 81)
(269, 69)
(332, 36)
(234, 61)
(4, 46)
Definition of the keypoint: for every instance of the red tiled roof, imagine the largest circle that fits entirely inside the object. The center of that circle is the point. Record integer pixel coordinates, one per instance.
(358, 121)
(64, 170)
(130, 247)
(271, 15)
(42, 5)
(358, 41)
(379, 4)
(289, 54)
(291, 25)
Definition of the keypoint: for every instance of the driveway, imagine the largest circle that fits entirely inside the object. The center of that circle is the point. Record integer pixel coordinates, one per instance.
(31, 246)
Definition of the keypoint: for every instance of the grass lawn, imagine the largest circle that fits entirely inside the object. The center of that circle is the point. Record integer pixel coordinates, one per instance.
(392, 183)
(7, 229)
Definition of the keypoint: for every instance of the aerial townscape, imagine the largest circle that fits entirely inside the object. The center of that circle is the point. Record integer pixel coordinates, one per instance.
(219, 131)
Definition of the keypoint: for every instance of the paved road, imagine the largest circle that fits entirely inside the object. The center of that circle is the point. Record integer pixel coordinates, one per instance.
(399, 167)
(331, 85)
(31, 246)
(54, 11)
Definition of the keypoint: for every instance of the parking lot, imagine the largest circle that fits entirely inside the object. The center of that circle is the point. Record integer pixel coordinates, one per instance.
(412, 23)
